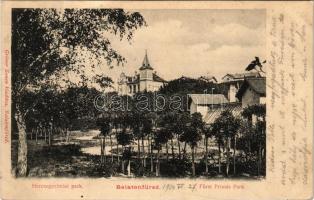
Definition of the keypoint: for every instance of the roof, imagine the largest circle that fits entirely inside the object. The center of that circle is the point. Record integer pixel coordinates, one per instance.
(256, 84)
(213, 114)
(243, 75)
(208, 99)
(158, 78)
(146, 64)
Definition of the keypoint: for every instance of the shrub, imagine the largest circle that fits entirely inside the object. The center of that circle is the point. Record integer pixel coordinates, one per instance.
(106, 170)
(175, 168)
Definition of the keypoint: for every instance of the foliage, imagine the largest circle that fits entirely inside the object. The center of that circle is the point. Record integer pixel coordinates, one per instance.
(124, 138)
(193, 132)
(185, 85)
(48, 43)
(147, 126)
(60, 109)
(127, 154)
(258, 110)
(104, 127)
(175, 168)
(225, 124)
(161, 137)
(40, 37)
(105, 170)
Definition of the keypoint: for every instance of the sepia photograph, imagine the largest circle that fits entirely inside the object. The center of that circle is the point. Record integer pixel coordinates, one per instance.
(147, 93)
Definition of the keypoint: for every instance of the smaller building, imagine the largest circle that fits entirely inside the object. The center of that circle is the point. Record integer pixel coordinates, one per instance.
(203, 103)
(252, 91)
(239, 76)
(232, 83)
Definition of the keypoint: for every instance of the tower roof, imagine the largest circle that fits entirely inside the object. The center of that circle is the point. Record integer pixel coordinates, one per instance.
(146, 64)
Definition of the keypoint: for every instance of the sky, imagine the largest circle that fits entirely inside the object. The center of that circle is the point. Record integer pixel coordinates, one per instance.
(194, 43)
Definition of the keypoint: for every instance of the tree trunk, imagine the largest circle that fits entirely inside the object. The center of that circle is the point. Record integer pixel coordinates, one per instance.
(111, 148)
(228, 156)
(167, 151)
(157, 163)
(184, 150)
(101, 150)
(118, 152)
(22, 145)
(129, 168)
(206, 154)
(234, 155)
(219, 158)
(193, 164)
(143, 150)
(45, 130)
(179, 148)
(49, 135)
(41, 131)
(248, 151)
(122, 166)
(64, 133)
(68, 134)
(104, 146)
(36, 135)
(138, 149)
(151, 156)
(148, 144)
(172, 148)
(259, 160)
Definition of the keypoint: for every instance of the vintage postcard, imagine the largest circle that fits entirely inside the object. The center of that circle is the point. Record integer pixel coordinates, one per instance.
(156, 100)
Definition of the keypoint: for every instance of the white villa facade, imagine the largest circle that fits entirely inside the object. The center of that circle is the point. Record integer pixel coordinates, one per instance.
(146, 80)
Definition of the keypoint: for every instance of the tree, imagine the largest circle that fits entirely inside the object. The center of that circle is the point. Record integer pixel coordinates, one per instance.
(77, 103)
(182, 119)
(124, 139)
(261, 138)
(160, 137)
(254, 110)
(185, 121)
(116, 122)
(136, 125)
(46, 113)
(47, 42)
(226, 126)
(104, 130)
(152, 116)
(258, 130)
(168, 121)
(192, 135)
(185, 85)
(146, 131)
(207, 133)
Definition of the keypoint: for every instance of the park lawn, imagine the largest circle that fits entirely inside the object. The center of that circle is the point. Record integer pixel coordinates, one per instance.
(70, 160)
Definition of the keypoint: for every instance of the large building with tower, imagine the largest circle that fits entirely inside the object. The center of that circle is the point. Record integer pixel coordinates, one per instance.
(146, 80)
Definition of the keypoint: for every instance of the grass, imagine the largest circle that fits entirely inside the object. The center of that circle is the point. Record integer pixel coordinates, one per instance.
(67, 160)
